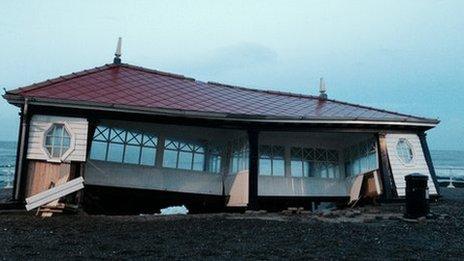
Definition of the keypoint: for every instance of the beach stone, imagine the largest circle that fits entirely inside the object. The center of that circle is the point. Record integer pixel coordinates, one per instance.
(422, 219)
(368, 220)
(350, 214)
(330, 214)
(251, 212)
(374, 211)
(394, 218)
(411, 220)
(286, 212)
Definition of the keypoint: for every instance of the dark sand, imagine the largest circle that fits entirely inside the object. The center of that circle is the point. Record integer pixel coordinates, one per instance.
(235, 236)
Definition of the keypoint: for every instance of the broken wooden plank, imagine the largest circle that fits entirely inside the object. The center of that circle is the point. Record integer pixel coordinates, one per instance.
(54, 193)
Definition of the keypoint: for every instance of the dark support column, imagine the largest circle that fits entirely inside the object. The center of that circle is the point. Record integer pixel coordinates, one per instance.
(93, 124)
(389, 187)
(21, 177)
(253, 141)
(428, 159)
(19, 147)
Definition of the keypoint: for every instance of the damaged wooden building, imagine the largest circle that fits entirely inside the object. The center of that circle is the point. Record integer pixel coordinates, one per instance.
(143, 139)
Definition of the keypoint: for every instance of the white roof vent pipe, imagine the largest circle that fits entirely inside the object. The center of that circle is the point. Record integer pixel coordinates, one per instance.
(117, 54)
(322, 90)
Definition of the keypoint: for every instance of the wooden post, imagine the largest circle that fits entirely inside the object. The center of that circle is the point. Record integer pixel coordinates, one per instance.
(389, 187)
(428, 159)
(253, 141)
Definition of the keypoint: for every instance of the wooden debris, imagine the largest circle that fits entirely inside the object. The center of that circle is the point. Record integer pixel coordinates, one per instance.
(50, 209)
(55, 193)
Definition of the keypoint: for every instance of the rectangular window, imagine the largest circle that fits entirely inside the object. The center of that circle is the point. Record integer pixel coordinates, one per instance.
(123, 146)
(271, 160)
(215, 157)
(361, 158)
(314, 162)
(182, 155)
(239, 157)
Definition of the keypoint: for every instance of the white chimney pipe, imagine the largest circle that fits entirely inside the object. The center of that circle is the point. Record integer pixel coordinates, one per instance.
(117, 54)
(322, 90)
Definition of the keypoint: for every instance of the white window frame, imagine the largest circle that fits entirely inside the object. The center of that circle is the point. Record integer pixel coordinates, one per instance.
(413, 159)
(72, 143)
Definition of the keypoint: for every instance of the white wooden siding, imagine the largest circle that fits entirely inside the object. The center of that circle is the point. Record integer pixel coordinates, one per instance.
(77, 127)
(400, 169)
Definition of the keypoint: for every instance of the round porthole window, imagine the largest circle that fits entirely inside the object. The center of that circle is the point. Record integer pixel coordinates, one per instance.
(404, 150)
(57, 140)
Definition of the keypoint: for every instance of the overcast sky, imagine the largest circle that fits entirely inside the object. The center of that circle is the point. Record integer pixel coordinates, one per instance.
(405, 56)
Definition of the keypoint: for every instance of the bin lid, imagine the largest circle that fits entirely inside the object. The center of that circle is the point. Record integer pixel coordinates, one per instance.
(416, 176)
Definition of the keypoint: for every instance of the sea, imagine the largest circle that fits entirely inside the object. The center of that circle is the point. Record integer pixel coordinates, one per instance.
(7, 163)
(448, 163)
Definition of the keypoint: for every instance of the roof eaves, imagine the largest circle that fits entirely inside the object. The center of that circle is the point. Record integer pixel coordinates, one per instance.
(216, 115)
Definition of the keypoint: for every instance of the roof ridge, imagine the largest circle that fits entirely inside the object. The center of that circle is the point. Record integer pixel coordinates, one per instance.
(293, 94)
(62, 78)
(148, 70)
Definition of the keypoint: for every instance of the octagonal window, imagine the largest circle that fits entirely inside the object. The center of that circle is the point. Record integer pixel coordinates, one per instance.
(404, 150)
(57, 140)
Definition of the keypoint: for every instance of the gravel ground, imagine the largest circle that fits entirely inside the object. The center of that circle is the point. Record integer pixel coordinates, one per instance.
(5, 195)
(237, 236)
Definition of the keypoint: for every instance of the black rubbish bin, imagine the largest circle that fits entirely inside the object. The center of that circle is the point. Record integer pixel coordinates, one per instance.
(417, 195)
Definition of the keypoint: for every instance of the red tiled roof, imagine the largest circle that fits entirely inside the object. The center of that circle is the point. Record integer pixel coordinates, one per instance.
(136, 87)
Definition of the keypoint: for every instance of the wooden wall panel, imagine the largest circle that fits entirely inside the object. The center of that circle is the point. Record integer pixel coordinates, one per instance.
(41, 175)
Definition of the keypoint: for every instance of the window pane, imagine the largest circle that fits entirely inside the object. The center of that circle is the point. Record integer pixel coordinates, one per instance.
(134, 138)
(235, 163)
(265, 152)
(115, 152)
(56, 141)
(169, 158)
(296, 168)
(149, 140)
(278, 167)
(132, 154)
(265, 167)
(198, 162)
(306, 168)
(215, 164)
(48, 140)
(66, 142)
(117, 135)
(101, 134)
(185, 160)
(148, 156)
(98, 150)
(56, 152)
(57, 130)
